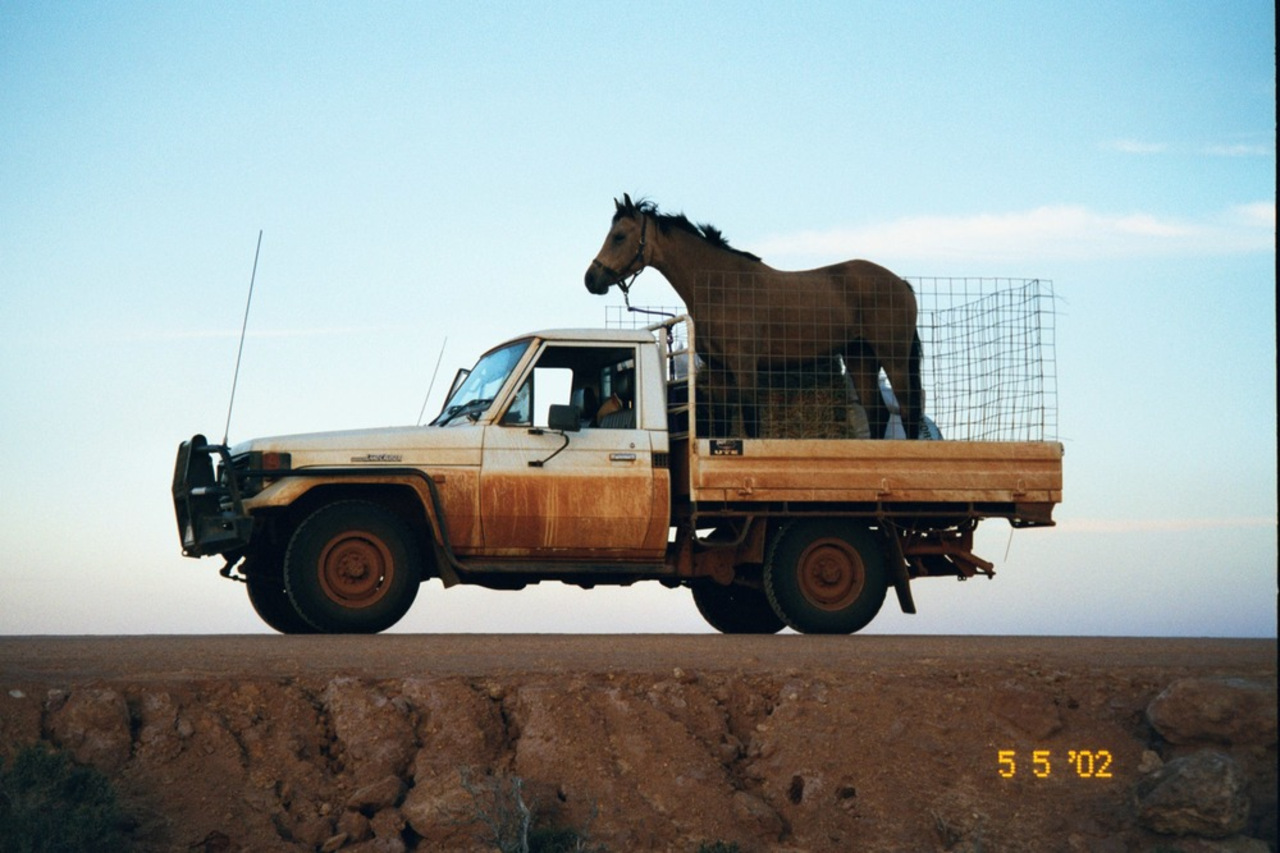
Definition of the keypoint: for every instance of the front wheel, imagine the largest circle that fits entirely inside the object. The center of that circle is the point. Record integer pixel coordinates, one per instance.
(826, 576)
(271, 602)
(352, 567)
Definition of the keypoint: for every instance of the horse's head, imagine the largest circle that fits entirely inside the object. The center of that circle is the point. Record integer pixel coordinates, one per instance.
(623, 253)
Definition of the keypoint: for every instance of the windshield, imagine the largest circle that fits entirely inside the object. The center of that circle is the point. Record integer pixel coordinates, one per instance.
(477, 391)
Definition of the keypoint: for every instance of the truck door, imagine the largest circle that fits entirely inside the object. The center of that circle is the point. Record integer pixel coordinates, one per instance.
(592, 498)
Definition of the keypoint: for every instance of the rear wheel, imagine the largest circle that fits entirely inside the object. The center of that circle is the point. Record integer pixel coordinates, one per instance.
(826, 576)
(736, 609)
(352, 567)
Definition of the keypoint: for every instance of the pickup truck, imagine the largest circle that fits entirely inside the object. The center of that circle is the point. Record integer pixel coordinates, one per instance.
(586, 456)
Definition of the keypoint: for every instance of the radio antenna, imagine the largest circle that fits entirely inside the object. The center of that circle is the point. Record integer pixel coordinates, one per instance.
(243, 327)
(432, 384)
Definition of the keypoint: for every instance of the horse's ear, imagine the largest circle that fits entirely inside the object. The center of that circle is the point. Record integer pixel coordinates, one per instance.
(617, 204)
(626, 197)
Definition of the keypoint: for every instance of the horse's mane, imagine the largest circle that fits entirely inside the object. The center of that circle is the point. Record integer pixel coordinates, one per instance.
(667, 221)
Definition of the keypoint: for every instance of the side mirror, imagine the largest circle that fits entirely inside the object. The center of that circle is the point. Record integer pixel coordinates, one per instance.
(563, 418)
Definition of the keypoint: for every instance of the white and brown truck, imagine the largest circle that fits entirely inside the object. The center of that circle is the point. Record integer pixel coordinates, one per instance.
(588, 457)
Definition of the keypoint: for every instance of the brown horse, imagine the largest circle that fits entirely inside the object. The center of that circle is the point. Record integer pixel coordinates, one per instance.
(750, 316)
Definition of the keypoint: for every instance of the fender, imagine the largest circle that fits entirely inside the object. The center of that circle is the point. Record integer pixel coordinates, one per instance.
(436, 516)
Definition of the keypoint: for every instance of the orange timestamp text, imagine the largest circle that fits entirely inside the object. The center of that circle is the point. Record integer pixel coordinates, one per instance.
(1084, 763)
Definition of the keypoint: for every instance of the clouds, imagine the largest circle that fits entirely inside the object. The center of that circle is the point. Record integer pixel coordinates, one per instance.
(1054, 232)
(227, 333)
(1261, 148)
(1134, 146)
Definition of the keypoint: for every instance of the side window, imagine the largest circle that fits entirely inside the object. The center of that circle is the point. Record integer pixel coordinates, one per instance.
(532, 403)
(552, 385)
(582, 376)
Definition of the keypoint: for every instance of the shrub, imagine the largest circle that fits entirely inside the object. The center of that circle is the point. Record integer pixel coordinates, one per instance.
(49, 804)
(511, 825)
(718, 847)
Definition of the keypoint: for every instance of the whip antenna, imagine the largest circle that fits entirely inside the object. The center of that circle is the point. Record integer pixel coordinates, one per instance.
(432, 384)
(243, 327)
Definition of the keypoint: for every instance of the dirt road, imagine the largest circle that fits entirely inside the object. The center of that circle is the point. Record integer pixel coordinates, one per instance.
(646, 742)
(58, 659)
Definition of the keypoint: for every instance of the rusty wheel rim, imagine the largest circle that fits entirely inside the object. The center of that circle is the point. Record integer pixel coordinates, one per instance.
(831, 574)
(355, 569)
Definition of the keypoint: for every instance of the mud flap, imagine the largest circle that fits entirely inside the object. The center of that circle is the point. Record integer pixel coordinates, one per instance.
(901, 577)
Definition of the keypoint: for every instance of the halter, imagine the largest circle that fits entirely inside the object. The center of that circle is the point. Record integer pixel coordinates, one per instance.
(637, 262)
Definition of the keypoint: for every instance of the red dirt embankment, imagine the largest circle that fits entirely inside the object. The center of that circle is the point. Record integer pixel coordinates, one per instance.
(866, 743)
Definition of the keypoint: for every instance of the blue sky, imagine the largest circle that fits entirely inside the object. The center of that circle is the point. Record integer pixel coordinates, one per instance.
(447, 170)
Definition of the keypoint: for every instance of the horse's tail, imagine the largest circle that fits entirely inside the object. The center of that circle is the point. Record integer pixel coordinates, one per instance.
(915, 389)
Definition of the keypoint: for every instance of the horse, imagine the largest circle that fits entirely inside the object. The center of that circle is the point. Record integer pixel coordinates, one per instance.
(750, 316)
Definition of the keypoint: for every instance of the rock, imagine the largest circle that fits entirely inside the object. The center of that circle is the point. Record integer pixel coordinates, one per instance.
(376, 733)
(312, 832)
(756, 813)
(1216, 710)
(160, 731)
(441, 811)
(353, 826)
(619, 751)
(388, 823)
(377, 845)
(459, 727)
(93, 725)
(1201, 794)
(1078, 843)
(1032, 713)
(19, 721)
(1234, 844)
(376, 796)
(1150, 762)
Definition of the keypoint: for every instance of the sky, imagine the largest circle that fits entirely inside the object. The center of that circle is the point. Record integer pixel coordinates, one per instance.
(433, 178)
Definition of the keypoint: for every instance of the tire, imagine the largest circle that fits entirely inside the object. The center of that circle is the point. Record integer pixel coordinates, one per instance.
(352, 567)
(736, 609)
(271, 602)
(826, 576)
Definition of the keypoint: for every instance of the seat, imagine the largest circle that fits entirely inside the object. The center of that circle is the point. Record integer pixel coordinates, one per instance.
(619, 412)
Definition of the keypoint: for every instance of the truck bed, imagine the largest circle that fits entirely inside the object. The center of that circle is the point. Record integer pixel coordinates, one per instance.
(1021, 480)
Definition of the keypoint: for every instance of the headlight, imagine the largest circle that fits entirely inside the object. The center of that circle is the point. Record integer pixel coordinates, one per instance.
(257, 469)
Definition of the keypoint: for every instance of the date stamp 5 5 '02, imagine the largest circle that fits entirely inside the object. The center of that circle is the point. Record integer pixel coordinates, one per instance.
(1083, 763)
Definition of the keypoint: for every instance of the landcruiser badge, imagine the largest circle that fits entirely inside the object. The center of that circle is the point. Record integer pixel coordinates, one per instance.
(378, 457)
(726, 447)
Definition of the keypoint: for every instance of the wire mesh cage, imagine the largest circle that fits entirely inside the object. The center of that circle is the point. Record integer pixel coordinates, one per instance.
(990, 364)
(986, 372)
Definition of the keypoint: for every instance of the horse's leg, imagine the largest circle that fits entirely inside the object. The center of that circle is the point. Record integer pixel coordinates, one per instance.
(749, 406)
(717, 393)
(864, 370)
(903, 371)
(742, 395)
(913, 417)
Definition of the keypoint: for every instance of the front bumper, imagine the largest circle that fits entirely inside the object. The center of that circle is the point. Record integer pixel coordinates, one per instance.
(210, 512)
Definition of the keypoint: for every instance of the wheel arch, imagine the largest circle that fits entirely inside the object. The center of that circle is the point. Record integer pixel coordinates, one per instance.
(400, 499)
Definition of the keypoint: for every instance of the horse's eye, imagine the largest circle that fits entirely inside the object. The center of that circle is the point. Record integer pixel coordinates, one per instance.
(618, 238)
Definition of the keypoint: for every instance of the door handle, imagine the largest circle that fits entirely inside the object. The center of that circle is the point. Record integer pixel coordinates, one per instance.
(622, 457)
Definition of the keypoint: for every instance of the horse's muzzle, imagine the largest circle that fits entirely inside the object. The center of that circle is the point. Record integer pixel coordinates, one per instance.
(599, 278)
